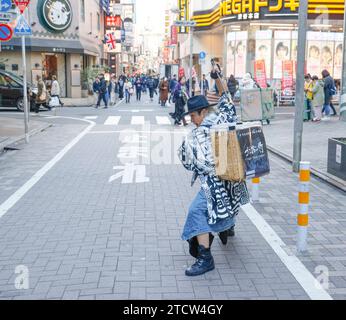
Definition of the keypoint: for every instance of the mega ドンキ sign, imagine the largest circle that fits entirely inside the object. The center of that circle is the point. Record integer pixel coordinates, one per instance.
(55, 15)
(228, 11)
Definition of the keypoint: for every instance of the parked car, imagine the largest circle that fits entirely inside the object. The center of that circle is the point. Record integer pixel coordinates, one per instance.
(12, 93)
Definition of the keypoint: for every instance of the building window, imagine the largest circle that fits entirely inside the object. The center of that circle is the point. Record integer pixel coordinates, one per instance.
(15, 67)
(82, 10)
(98, 22)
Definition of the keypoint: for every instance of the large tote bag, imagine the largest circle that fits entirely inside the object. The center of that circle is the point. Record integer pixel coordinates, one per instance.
(254, 151)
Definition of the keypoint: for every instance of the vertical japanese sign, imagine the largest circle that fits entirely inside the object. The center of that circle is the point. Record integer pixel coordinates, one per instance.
(260, 73)
(287, 75)
(174, 35)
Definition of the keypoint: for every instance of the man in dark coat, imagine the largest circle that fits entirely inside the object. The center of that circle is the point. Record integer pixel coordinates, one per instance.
(102, 92)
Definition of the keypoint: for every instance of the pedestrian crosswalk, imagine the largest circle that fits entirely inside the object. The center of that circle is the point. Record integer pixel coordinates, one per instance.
(133, 120)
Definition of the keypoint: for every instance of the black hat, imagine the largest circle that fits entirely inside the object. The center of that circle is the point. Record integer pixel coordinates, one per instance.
(197, 103)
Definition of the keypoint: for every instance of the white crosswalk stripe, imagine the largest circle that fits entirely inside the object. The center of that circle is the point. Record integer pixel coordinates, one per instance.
(91, 118)
(163, 120)
(112, 121)
(138, 120)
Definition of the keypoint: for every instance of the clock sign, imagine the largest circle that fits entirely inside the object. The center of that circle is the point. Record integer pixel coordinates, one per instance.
(55, 15)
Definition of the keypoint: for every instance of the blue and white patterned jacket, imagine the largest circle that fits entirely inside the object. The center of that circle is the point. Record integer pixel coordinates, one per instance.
(224, 197)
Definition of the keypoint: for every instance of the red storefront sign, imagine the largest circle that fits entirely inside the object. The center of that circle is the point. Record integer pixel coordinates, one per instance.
(260, 73)
(287, 75)
(181, 72)
(174, 35)
(113, 22)
(21, 4)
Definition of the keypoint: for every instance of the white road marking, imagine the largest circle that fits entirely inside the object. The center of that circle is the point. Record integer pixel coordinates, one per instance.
(292, 263)
(20, 193)
(184, 132)
(136, 111)
(112, 121)
(138, 120)
(163, 120)
(91, 118)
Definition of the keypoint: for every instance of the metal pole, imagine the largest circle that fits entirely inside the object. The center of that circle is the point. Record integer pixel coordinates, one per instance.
(300, 97)
(343, 83)
(202, 84)
(25, 95)
(191, 49)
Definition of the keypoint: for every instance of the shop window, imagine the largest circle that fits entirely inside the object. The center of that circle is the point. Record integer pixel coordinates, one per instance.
(2, 66)
(15, 67)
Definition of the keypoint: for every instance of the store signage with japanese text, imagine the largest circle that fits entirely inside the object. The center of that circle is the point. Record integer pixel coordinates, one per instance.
(287, 75)
(260, 73)
(240, 10)
(174, 35)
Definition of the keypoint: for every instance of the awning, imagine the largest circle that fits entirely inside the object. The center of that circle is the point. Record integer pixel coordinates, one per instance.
(52, 45)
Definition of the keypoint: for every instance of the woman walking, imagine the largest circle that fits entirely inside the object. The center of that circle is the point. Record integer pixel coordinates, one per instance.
(164, 92)
(55, 90)
(218, 202)
(128, 90)
(232, 85)
(318, 98)
(41, 98)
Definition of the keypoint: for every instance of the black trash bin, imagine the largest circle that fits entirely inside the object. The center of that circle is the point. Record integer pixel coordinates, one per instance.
(337, 157)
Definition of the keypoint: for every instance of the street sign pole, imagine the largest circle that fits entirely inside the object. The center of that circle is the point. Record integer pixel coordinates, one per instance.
(300, 100)
(343, 83)
(26, 109)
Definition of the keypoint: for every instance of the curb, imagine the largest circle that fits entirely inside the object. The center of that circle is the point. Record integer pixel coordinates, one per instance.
(326, 177)
(20, 139)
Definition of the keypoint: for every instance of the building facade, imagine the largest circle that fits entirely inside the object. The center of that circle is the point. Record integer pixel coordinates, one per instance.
(67, 38)
(239, 33)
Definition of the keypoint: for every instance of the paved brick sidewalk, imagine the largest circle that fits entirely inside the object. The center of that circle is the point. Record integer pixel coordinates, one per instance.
(12, 130)
(279, 135)
(327, 232)
(82, 237)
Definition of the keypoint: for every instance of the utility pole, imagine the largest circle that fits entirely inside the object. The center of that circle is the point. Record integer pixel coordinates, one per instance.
(187, 17)
(26, 106)
(343, 83)
(300, 95)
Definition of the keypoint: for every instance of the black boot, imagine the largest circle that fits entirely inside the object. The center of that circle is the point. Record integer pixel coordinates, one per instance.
(225, 234)
(193, 244)
(203, 264)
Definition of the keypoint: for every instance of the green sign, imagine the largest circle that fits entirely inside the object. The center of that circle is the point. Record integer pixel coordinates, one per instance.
(55, 15)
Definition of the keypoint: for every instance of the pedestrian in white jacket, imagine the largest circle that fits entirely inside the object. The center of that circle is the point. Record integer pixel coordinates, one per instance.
(55, 90)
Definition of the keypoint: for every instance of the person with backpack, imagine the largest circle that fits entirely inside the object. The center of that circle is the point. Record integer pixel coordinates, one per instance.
(172, 84)
(329, 92)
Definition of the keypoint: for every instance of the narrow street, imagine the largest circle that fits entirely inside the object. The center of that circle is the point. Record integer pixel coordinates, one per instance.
(94, 206)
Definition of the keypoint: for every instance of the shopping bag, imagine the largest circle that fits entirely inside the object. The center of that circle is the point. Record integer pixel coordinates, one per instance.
(54, 102)
(254, 151)
(227, 155)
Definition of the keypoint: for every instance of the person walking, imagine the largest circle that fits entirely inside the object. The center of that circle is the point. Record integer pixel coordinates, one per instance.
(128, 90)
(96, 90)
(138, 85)
(180, 97)
(164, 87)
(205, 85)
(112, 91)
(329, 92)
(121, 84)
(55, 90)
(41, 97)
(232, 85)
(218, 202)
(318, 98)
(151, 87)
(102, 92)
(308, 85)
(172, 85)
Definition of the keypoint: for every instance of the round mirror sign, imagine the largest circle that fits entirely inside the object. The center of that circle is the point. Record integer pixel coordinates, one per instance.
(56, 15)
